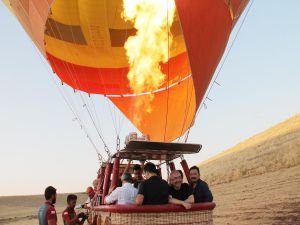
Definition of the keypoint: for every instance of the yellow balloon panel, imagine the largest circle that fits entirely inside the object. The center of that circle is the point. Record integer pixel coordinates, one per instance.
(92, 33)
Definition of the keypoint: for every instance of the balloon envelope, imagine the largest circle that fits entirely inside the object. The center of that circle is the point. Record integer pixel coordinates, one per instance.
(83, 40)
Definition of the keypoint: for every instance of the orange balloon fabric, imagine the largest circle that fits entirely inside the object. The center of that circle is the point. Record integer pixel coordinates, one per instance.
(83, 41)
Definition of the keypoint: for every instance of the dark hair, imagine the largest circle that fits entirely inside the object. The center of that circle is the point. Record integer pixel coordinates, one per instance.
(71, 197)
(150, 167)
(181, 173)
(195, 168)
(137, 167)
(49, 191)
(127, 177)
(158, 172)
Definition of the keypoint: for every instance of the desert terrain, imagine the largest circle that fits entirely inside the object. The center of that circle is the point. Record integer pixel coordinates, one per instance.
(22, 210)
(257, 182)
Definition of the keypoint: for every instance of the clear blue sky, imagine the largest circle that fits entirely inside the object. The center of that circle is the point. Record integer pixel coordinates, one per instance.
(41, 144)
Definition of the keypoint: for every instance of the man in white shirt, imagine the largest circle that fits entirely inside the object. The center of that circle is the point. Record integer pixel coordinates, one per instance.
(91, 193)
(125, 194)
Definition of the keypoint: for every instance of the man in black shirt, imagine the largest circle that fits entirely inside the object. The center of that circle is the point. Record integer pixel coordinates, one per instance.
(200, 188)
(180, 193)
(153, 190)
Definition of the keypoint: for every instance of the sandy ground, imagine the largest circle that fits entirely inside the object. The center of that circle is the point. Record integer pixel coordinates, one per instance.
(22, 210)
(271, 198)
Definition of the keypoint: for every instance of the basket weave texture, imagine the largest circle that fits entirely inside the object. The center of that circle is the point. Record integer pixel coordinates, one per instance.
(204, 217)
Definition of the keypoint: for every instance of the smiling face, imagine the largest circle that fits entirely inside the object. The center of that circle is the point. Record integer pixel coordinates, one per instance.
(194, 175)
(175, 180)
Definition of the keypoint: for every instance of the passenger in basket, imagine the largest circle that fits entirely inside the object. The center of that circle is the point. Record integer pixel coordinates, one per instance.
(137, 178)
(181, 173)
(91, 193)
(180, 193)
(125, 194)
(200, 188)
(153, 190)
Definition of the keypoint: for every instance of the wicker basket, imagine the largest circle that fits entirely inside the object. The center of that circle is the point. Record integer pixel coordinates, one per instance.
(154, 217)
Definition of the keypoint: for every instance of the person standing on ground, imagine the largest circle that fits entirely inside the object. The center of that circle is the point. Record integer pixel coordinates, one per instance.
(47, 213)
(69, 215)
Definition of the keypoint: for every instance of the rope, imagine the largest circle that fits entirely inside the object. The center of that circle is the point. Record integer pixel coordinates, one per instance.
(118, 144)
(187, 109)
(84, 103)
(168, 94)
(95, 112)
(113, 116)
(220, 69)
(63, 95)
(117, 129)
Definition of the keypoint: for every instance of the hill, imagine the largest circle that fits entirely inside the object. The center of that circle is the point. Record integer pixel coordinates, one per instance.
(258, 180)
(274, 149)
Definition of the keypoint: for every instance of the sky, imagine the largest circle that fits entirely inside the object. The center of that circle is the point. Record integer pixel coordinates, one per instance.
(42, 143)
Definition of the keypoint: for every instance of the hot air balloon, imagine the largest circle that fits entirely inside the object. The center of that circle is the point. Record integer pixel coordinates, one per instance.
(84, 42)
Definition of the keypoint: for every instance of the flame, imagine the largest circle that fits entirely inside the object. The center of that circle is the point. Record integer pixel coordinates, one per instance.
(149, 47)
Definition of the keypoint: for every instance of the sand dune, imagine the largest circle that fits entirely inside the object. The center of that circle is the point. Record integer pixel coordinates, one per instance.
(270, 198)
(258, 180)
(272, 150)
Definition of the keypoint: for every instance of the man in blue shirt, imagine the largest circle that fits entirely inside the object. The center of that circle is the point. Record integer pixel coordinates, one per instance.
(200, 188)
